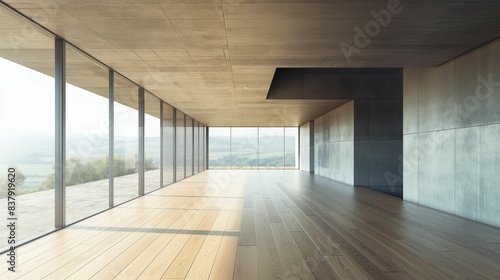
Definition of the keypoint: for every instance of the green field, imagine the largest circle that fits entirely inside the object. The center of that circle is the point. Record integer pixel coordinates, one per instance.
(35, 173)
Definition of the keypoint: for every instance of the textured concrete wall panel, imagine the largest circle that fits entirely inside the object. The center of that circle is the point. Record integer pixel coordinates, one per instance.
(410, 167)
(457, 139)
(362, 119)
(468, 99)
(489, 207)
(490, 83)
(466, 191)
(362, 162)
(386, 119)
(334, 147)
(436, 182)
(384, 162)
(437, 98)
(410, 100)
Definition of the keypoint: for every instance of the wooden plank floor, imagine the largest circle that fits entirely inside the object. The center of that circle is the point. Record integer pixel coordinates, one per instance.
(264, 225)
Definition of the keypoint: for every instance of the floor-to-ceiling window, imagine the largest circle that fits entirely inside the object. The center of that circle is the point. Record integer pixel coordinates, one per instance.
(253, 147)
(152, 135)
(96, 128)
(196, 145)
(27, 126)
(126, 139)
(189, 146)
(168, 144)
(272, 147)
(180, 145)
(291, 148)
(219, 147)
(87, 136)
(244, 147)
(204, 134)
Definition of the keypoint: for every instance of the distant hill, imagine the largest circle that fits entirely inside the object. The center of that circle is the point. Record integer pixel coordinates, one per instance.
(40, 148)
(244, 151)
(269, 144)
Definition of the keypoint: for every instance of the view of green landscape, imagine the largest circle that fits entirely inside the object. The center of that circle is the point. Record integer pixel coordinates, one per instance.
(252, 147)
(28, 131)
(34, 164)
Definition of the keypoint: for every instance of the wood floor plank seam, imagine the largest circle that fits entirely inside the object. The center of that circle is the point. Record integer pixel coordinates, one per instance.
(52, 255)
(120, 264)
(367, 264)
(153, 269)
(225, 259)
(136, 269)
(270, 266)
(91, 268)
(180, 266)
(322, 216)
(53, 236)
(209, 253)
(138, 264)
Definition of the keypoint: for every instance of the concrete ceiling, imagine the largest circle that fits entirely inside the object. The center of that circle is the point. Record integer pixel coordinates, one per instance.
(215, 60)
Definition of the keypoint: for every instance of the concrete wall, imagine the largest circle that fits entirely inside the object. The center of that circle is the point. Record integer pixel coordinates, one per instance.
(306, 134)
(334, 144)
(378, 144)
(452, 135)
(361, 144)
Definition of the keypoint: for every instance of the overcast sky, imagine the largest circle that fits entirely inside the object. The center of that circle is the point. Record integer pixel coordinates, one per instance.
(27, 104)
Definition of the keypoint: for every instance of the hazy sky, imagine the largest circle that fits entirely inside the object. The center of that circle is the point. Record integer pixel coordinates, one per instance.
(26, 98)
(27, 104)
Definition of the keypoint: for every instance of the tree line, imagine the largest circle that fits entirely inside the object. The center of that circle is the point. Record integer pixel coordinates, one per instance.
(80, 171)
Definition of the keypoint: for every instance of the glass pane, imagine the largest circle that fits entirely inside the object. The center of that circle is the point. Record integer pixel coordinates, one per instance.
(196, 155)
(27, 124)
(219, 147)
(152, 134)
(189, 146)
(291, 147)
(202, 148)
(203, 164)
(205, 147)
(180, 146)
(244, 141)
(271, 147)
(168, 144)
(126, 120)
(87, 136)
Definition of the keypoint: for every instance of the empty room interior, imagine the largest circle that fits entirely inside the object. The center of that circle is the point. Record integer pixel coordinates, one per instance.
(241, 139)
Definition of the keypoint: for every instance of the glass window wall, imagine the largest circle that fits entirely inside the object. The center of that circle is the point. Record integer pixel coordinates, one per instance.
(204, 147)
(87, 136)
(196, 151)
(27, 124)
(152, 135)
(291, 148)
(189, 146)
(126, 139)
(244, 147)
(180, 131)
(168, 144)
(220, 147)
(28, 131)
(272, 147)
(253, 147)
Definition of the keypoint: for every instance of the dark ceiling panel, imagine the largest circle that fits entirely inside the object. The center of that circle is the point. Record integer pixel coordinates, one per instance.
(336, 83)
